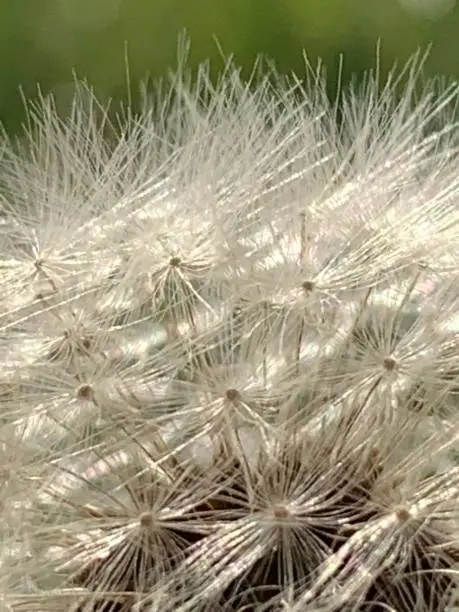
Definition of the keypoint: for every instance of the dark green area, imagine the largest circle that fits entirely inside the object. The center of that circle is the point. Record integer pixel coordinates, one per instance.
(43, 41)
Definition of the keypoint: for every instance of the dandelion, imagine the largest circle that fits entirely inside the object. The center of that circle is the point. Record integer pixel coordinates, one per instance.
(229, 342)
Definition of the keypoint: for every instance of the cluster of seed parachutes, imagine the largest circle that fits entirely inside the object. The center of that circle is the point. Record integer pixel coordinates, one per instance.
(230, 359)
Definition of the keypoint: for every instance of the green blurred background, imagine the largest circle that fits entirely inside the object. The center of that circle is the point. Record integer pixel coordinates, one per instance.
(43, 41)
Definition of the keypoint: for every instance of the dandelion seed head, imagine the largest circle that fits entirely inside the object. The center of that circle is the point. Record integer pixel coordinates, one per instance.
(228, 332)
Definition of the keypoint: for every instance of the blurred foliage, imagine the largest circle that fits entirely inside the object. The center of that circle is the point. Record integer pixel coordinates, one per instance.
(43, 41)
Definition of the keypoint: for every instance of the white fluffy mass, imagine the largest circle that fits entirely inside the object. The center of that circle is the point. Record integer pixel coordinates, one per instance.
(229, 342)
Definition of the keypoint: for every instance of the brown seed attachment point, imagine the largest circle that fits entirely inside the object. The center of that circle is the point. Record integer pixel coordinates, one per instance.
(308, 286)
(232, 395)
(174, 262)
(85, 392)
(403, 514)
(146, 520)
(281, 512)
(390, 363)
